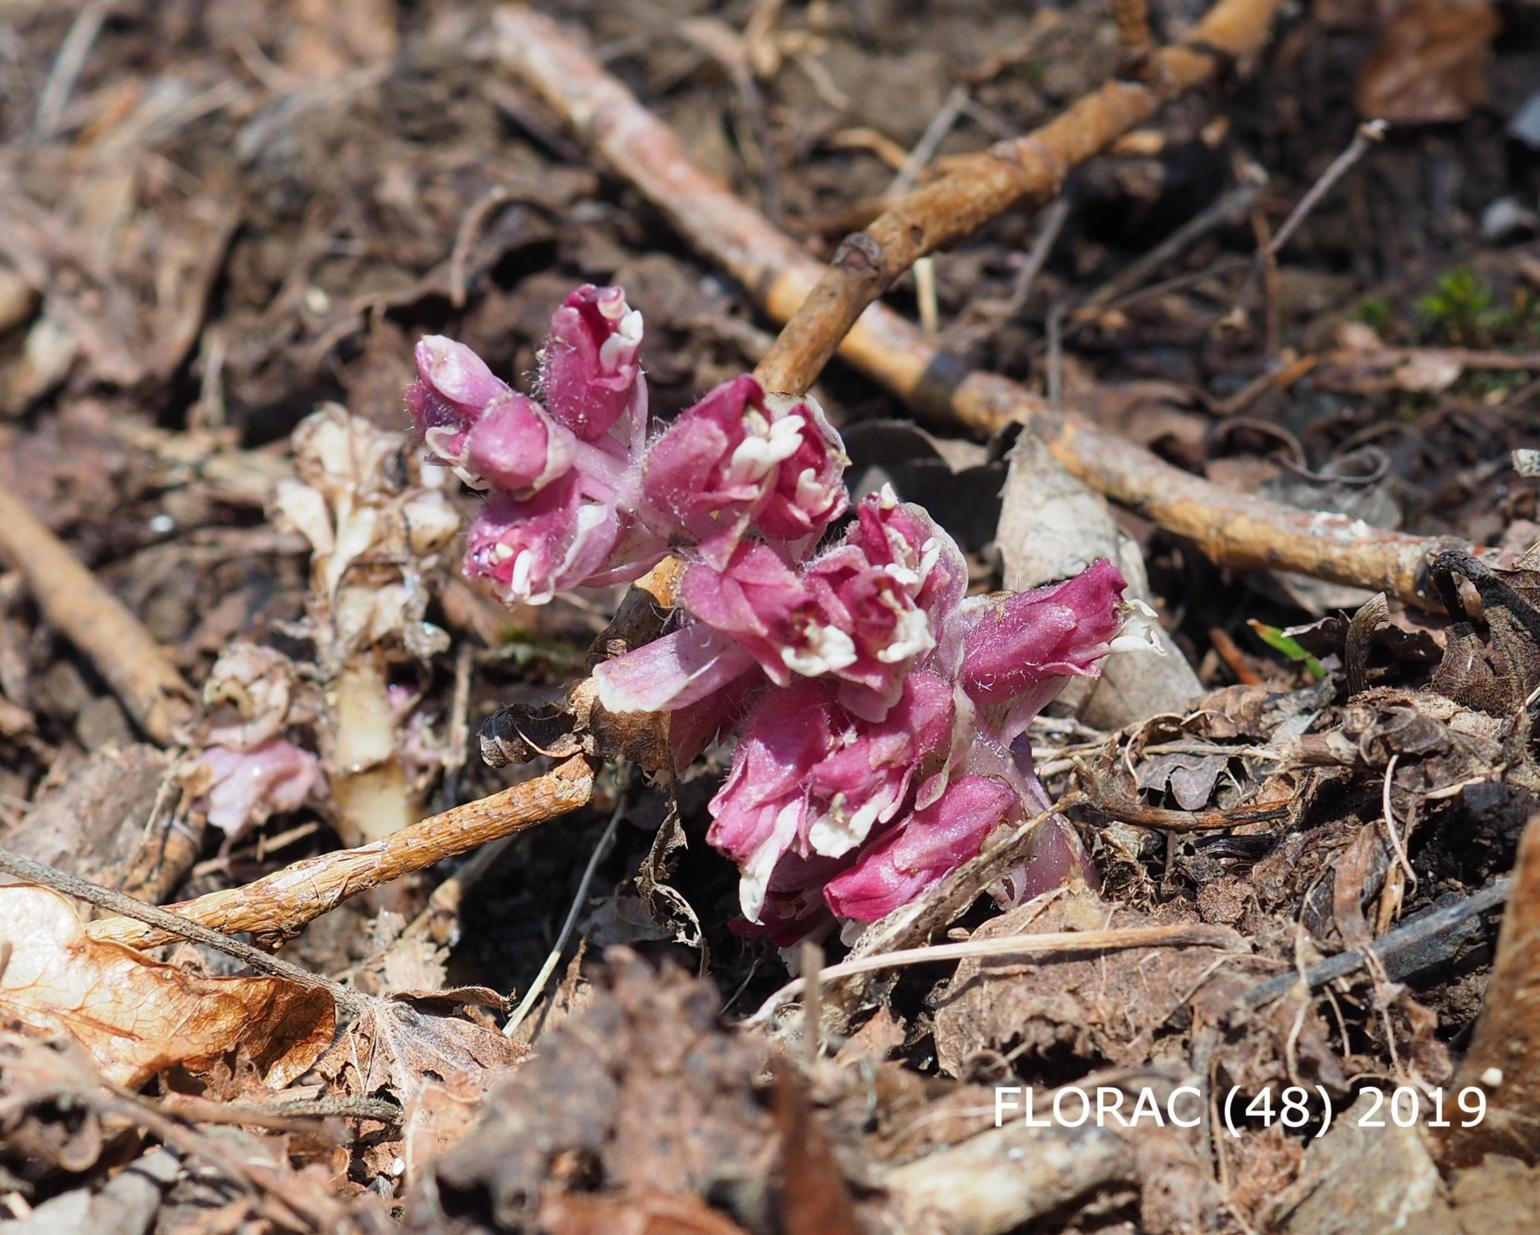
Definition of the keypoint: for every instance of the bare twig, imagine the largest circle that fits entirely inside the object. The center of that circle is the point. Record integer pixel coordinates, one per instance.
(1426, 939)
(281, 903)
(1141, 814)
(62, 77)
(1235, 529)
(171, 924)
(1367, 135)
(96, 622)
(982, 186)
(1133, 18)
(1218, 213)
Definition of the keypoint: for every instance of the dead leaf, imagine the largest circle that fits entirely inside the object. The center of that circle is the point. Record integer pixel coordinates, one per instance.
(137, 1017)
(437, 1065)
(1430, 66)
(816, 1199)
(642, 1213)
(1110, 1006)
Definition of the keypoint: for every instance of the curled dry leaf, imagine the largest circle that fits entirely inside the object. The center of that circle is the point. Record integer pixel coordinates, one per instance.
(1431, 63)
(137, 1017)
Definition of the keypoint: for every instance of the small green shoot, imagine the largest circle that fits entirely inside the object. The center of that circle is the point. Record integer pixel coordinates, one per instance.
(1280, 642)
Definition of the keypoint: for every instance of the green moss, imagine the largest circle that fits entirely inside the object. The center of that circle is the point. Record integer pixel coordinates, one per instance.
(1375, 312)
(1461, 308)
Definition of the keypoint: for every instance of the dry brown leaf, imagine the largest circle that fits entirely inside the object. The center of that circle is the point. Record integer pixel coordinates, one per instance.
(1431, 63)
(816, 1199)
(632, 1214)
(438, 1067)
(137, 1017)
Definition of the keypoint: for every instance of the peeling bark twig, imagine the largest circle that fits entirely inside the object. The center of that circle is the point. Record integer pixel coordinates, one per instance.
(283, 902)
(172, 925)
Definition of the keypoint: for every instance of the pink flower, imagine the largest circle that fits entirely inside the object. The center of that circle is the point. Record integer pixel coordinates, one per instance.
(588, 369)
(249, 785)
(1017, 643)
(923, 850)
(738, 457)
(884, 736)
(564, 477)
(554, 541)
(865, 621)
(451, 393)
(809, 778)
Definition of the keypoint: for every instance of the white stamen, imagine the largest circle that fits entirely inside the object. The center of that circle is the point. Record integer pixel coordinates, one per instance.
(825, 649)
(1137, 633)
(523, 568)
(501, 552)
(887, 497)
(764, 449)
(812, 496)
(837, 833)
(755, 879)
(911, 637)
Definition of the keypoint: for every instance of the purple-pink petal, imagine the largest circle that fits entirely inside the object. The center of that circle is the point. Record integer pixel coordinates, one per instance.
(922, 850)
(673, 672)
(516, 447)
(1057, 631)
(588, 367)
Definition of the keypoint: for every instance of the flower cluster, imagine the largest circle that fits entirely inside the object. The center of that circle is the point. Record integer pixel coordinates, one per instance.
(883, 712)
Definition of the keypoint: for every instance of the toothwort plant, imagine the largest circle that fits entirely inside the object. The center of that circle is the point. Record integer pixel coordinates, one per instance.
(881, 712)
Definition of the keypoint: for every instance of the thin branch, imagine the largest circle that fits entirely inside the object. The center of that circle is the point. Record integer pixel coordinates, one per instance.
(1239, 530)
(1368, 134)
(97, 622)
(978, 188)
(283, 902)
(1426, 939)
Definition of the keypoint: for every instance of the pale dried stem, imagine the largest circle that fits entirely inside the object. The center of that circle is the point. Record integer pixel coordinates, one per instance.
(1046, 945)
(97, 622)
(1235, 529)
(283, 902)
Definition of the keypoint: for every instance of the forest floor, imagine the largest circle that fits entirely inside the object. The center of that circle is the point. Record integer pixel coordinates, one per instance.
(217, 217)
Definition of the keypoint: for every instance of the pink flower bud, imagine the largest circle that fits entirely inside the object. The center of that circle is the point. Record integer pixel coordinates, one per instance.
(738, 456)
(588, 369)
(524, 547)
(452, 391)
(249, 785)
(1050, 632)
(516, 447)
(922, 850)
